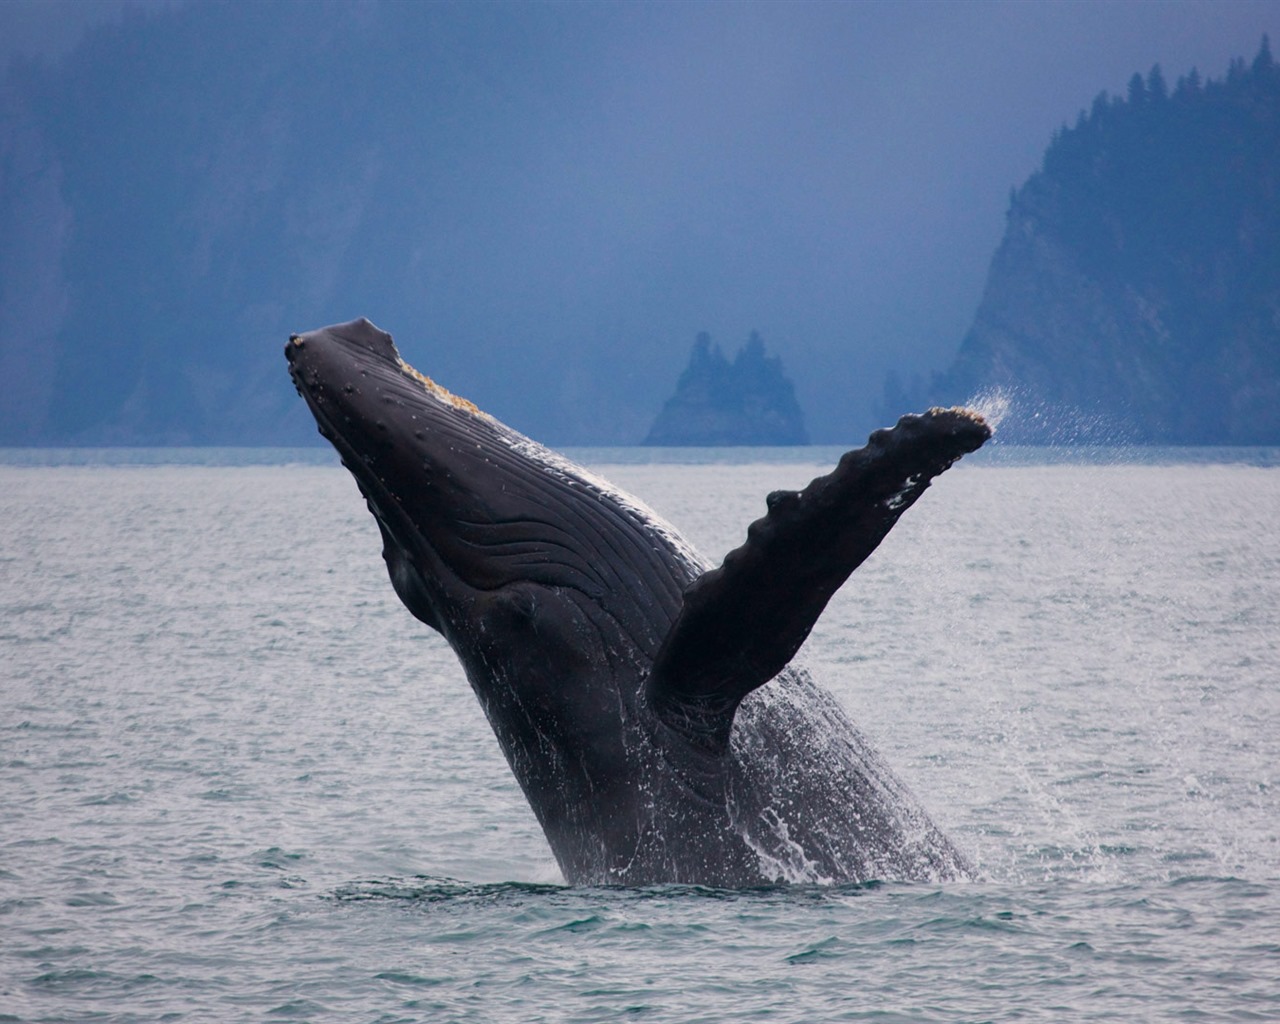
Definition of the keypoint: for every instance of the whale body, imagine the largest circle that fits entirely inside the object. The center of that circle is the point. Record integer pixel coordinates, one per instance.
(645, 701)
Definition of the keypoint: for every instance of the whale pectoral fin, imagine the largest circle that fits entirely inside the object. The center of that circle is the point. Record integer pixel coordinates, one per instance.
(740, 624)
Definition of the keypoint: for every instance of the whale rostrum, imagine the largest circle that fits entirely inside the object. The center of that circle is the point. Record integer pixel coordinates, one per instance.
(646, 702)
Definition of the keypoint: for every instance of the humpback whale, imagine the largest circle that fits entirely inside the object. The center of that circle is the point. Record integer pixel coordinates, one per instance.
(647, 703)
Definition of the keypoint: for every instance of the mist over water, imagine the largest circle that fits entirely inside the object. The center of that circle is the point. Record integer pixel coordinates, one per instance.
(238, 780)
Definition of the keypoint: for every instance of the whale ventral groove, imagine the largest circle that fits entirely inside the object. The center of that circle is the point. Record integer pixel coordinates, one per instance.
(648, 704)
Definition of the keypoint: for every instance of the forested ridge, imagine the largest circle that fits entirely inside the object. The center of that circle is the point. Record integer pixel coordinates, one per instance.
(1136, 293)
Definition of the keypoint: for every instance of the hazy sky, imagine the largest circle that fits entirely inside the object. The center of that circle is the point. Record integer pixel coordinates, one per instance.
(833, 175)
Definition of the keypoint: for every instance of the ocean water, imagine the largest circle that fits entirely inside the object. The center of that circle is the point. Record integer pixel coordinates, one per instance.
(239, 782)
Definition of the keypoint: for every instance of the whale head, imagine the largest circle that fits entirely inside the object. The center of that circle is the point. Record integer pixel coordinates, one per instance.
(468, 508)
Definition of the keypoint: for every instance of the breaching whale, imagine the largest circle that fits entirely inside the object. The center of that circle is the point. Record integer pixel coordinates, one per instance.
(645, 702)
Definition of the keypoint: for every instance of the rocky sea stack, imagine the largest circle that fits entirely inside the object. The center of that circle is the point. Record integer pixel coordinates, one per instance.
(748, 401)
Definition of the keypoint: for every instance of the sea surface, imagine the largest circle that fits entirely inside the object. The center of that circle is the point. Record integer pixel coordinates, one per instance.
(238, 782)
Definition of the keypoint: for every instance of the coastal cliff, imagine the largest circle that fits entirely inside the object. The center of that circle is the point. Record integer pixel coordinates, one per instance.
(1135, 296)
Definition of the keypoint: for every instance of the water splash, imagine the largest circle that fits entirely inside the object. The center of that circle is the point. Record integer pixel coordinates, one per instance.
(1028, 418)
(993, 404)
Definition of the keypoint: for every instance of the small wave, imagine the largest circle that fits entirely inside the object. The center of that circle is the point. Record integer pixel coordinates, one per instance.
(109, 800)
(582, 924)
(92, 899)
(405, 978)
(305, 1008)
(278, 859)
(427, 889)
(822, 950)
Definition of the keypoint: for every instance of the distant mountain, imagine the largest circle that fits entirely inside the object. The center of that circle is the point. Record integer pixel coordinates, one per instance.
(194, 182)
(1136, 294)
(748, 401)
(168, 219)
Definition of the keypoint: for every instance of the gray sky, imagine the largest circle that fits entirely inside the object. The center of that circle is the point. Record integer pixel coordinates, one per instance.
(832, 175)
